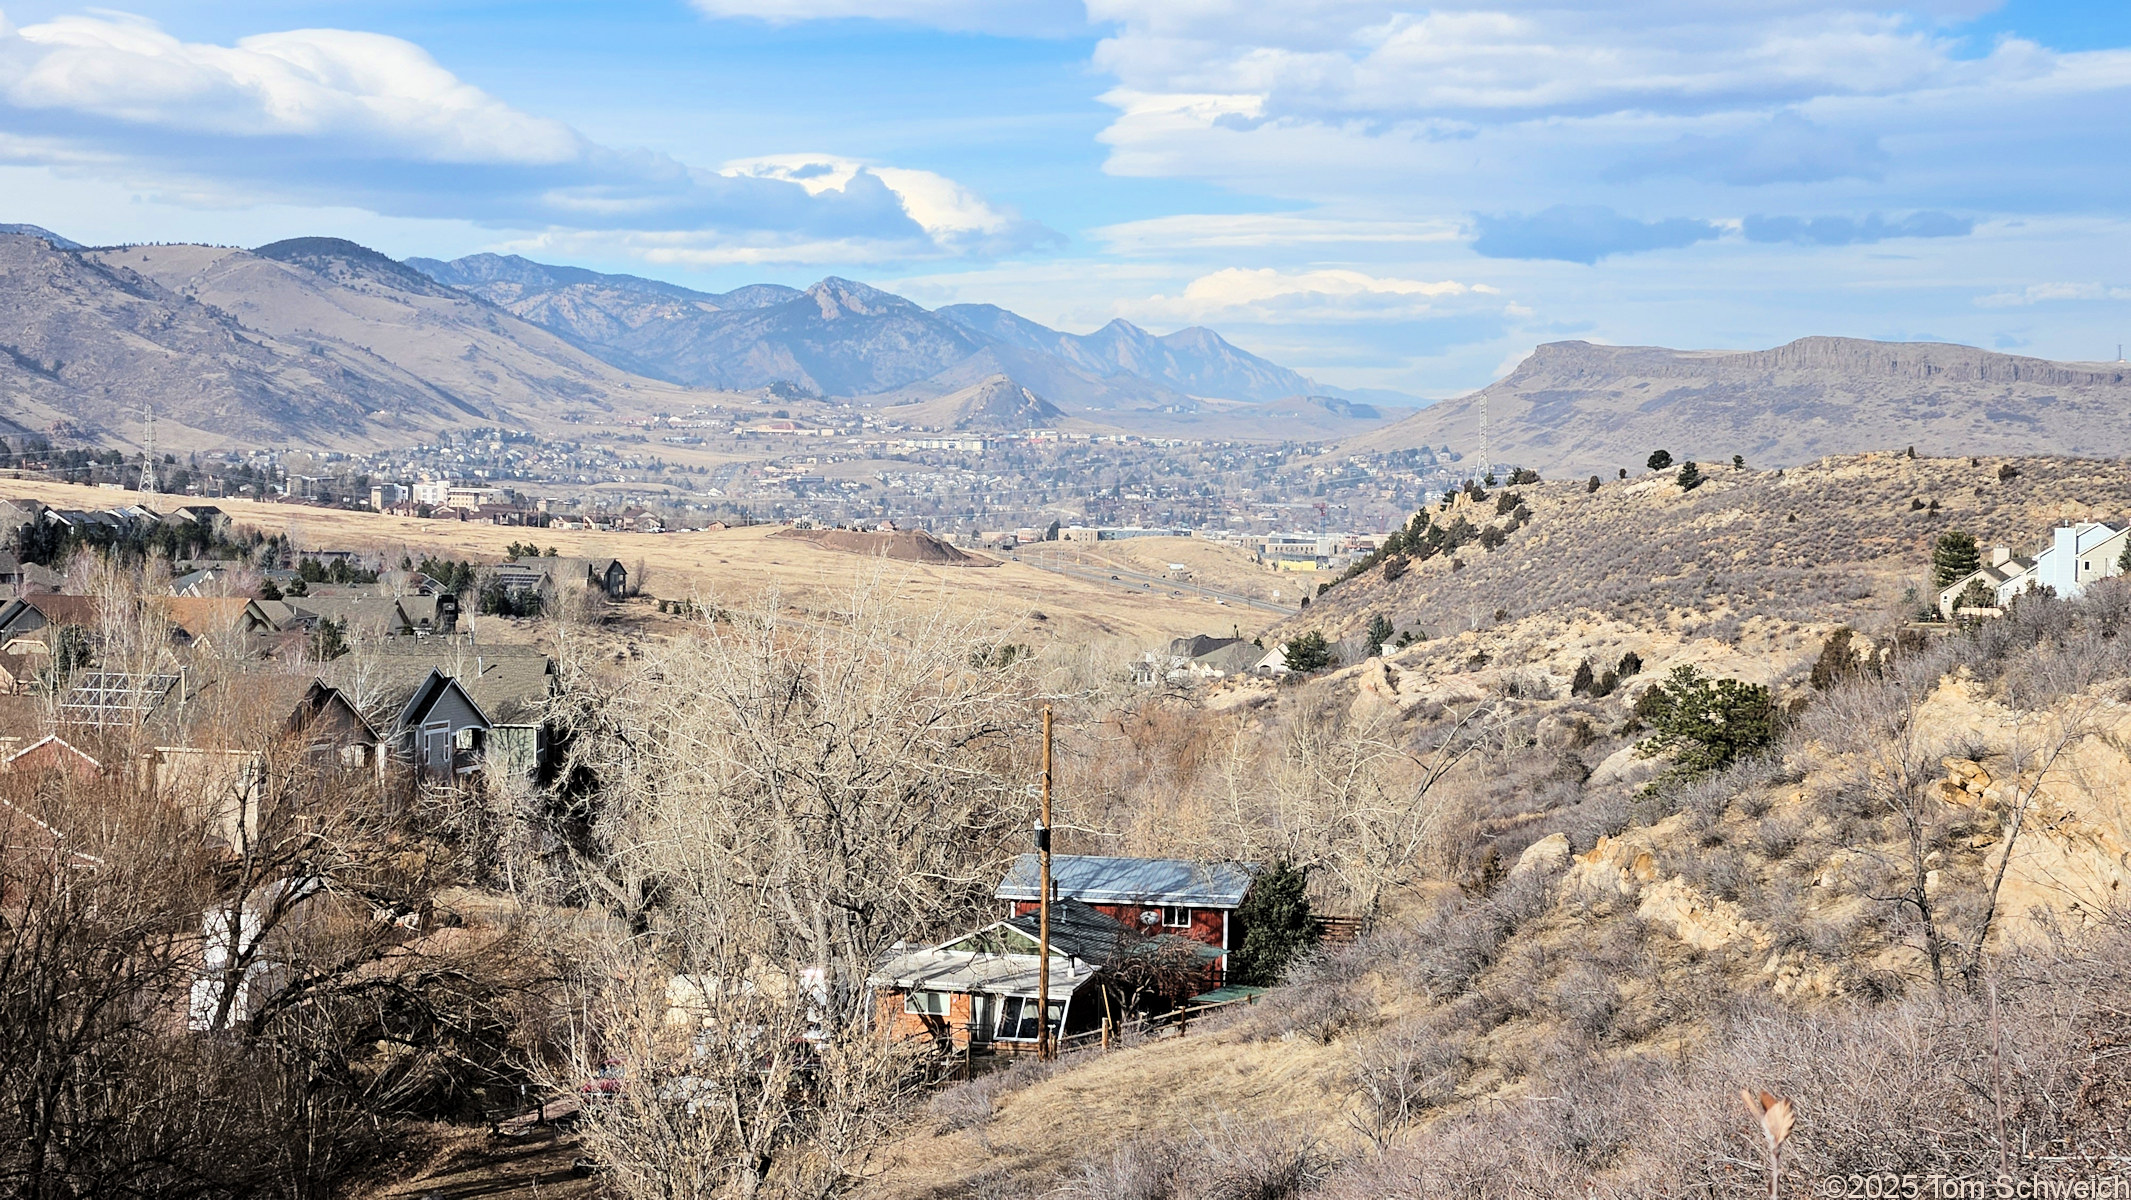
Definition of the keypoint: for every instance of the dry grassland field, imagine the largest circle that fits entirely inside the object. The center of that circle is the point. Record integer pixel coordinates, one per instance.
(735, 564)
(1228, 569)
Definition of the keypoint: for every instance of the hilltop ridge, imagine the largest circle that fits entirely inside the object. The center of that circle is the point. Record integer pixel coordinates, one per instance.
(1576, 407)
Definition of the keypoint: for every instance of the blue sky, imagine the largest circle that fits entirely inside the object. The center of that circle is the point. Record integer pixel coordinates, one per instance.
(1377, 193)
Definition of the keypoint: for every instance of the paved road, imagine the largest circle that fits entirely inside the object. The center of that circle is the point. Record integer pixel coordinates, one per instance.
(1139, 581)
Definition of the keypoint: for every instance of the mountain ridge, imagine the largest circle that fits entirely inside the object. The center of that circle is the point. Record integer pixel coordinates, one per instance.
(731, 340)
(1580, 406)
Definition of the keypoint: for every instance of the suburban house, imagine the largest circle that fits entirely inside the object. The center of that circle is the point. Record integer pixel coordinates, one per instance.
(981, 991)
(452, 708)
(2004, 569)
(545, 574)
(441, 729)
(1153, 895)
(28, 624)
(367, 611)
(210, 736)
(1200, 657)
(51, 754)
(2079, 553)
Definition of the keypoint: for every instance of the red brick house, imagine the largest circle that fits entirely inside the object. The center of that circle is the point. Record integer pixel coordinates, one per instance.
(1153, 895)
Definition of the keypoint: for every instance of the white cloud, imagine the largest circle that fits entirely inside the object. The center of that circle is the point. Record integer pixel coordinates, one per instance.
(1038, 17)
(303, 83)
(2042, 293)
(1657, 107)
(1266, 294)
(1167, 235)
(950, 213)
(333, 116)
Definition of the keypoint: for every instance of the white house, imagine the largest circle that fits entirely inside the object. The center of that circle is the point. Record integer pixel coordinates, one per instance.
(2004, 571)
(2078, 554)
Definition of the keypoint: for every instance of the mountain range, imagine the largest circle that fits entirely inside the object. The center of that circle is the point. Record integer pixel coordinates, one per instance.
(326, 343)
(1575, 407)
(846, 339)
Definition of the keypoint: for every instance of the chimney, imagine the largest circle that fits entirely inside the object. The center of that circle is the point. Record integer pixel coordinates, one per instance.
(2000, 555)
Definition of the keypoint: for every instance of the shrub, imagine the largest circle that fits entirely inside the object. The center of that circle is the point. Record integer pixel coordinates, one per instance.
(1591, 486)
(1660, 459)
(1278, 927)
(1837, 661)
(1583, 679)
(1309, 652)
(1523, 475)
(1631, 665)
(1708, 723)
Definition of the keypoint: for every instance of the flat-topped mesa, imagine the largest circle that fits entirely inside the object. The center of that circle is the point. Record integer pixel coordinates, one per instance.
(1857, 357)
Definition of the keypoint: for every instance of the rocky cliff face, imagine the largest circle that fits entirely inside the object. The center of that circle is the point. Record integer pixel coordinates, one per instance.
(1573, 407)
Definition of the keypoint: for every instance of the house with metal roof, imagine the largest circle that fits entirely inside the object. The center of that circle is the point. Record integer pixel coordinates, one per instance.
(1156, 895)
(980, 991)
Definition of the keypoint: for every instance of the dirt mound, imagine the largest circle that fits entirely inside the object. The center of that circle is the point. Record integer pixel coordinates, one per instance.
(904, 545)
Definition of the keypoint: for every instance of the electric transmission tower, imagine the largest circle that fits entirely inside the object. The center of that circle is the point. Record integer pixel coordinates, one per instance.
(147, 483)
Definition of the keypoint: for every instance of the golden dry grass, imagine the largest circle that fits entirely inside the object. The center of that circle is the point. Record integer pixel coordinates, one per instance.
(1163, 1086)
(729, 564)
(1229, 568)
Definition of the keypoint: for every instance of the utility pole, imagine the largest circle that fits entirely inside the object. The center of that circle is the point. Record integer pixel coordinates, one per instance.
(1487, 468)
(1044, 1048)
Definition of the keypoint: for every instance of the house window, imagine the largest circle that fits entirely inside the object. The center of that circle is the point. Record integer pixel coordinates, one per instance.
(1176, 917)
(926, 1004)
(1017, 1018)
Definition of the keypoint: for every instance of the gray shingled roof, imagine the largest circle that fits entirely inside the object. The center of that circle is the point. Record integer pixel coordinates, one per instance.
(1103, 879)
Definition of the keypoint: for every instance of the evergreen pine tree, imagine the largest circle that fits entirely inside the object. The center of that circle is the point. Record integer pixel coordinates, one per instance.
(1380, 631)
(1277, 926)
(1954, 556)
(1660, 459)
(1689, 478)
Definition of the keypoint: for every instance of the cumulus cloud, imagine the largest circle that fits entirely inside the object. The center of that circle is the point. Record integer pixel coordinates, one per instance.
(1844, 231)
(2044, 293)
(951, 214)
(1581, 233)
(342, 117)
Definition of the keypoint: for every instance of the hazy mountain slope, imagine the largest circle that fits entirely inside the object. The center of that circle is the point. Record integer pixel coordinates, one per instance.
(756, 335)
(1073, 389)
(38, 231)
(838, 337)
(1573, 407)
(323, 291)
(643, 325)
(94, 342)
(996, 404)
(1194, 361)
